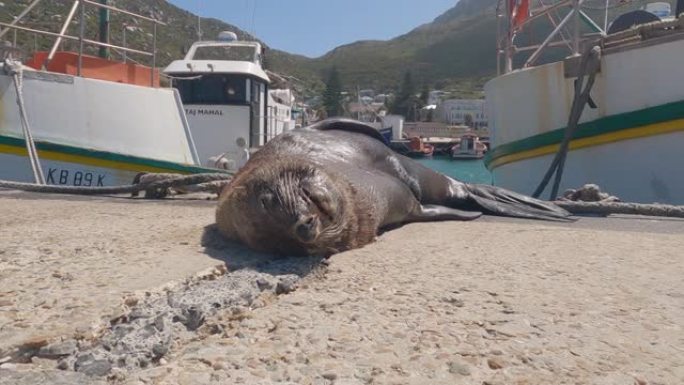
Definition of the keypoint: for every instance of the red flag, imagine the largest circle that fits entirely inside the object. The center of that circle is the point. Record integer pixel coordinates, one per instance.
(520, 11)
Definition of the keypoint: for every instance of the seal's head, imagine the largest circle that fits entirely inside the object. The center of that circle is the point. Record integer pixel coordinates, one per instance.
(289, 208)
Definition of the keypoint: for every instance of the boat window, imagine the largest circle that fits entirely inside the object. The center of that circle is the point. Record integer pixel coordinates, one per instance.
(213, 89)
(237, 53)
(256, 91)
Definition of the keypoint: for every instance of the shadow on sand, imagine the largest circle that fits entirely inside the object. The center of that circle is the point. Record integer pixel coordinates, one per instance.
(237, 256)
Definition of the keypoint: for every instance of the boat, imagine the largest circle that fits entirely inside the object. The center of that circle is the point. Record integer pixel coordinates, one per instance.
(227, 99)
(418, 148)
(630, 135)
(68, 118)
(468, 146)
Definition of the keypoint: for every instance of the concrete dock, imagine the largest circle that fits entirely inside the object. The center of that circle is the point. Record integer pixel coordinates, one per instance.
(114, 290)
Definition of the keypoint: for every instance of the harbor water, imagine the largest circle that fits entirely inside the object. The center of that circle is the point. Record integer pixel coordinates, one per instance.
(470, 171)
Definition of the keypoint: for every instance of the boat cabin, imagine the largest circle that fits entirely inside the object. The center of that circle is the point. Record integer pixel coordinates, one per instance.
(224, 91)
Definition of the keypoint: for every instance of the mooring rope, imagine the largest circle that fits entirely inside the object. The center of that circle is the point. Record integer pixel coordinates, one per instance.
(14, 69)
(590, 64)
(195, 179)
(607, 208)
(589, 199)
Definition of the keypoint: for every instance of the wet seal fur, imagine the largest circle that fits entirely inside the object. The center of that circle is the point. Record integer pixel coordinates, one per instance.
(334, 185)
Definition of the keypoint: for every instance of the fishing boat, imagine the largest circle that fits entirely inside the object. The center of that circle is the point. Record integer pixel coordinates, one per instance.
(468, 146)
(68, 118)
(630, 134)
(418, 148)
(227, 99)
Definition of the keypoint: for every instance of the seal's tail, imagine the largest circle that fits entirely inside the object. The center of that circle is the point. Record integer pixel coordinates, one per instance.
(499, 201)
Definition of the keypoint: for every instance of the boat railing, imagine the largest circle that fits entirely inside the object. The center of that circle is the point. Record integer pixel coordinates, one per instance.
(82, 41)
(513, 17)
(645, 32)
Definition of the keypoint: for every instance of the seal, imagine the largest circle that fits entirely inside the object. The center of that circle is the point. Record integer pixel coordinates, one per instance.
(334, 185)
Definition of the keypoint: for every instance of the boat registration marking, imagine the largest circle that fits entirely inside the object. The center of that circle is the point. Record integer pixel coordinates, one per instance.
(74, 178)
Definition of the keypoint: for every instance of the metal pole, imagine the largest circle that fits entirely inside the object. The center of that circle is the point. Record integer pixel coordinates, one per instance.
(553, 22)
(154, 54)
(104, 30)
(605, 20)
(591, 23)
(199, 28)
(70, 16)
(509, 40)
(546, 42)
(125, 56)
(576, 37)
(498, 38)
(80, 39)
(545, 10)
(21, 15)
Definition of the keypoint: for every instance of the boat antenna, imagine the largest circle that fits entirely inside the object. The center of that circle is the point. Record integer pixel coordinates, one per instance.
(199, 25)
(253, 17)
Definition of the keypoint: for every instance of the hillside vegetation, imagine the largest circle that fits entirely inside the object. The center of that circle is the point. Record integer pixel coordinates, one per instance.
(455, 52)
(434, 52)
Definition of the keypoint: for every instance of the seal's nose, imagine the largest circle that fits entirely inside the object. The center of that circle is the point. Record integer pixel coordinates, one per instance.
(306, 229)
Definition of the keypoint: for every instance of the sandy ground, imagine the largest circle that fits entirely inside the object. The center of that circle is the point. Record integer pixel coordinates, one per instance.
(494, 301)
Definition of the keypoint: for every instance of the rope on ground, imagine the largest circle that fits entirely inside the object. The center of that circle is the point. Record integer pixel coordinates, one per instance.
(589, 66)
(195, 179)
(589, 199)
(607, 208)
(14, 69)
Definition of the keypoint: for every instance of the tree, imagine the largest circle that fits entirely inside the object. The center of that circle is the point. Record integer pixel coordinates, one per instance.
(405, 102)
(332, 96)
(425, 95)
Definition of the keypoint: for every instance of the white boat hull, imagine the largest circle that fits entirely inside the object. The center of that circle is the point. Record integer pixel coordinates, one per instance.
(641, 170)
(18, 168)
(630, 145)
(93, 132)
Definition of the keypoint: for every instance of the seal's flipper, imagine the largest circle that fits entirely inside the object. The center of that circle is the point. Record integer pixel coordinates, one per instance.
(431, 213)
(499, 201)
(349, 125)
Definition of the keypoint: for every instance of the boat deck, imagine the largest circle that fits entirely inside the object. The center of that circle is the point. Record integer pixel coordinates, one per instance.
(495, 300)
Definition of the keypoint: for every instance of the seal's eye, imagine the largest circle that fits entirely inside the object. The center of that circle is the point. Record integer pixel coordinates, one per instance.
(266, 200)
(319, 199)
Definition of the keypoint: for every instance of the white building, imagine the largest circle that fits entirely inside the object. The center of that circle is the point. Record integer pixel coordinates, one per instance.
(456, 112)
(436, 96)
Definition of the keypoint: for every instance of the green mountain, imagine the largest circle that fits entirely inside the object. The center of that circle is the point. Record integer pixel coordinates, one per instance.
(455, 51)
(434, 52)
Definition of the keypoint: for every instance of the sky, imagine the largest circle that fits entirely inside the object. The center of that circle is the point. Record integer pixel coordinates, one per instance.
(314, 27)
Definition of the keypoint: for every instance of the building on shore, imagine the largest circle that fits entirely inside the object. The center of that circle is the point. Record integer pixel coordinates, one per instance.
(467, 112)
